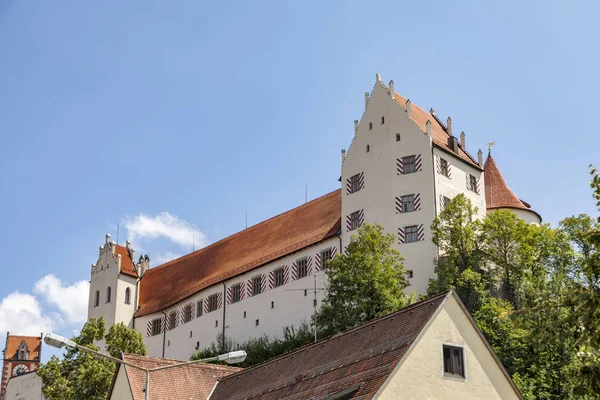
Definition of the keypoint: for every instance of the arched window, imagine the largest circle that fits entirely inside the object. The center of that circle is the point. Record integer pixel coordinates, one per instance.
(108, 290)
(127, 296)
(97, 299)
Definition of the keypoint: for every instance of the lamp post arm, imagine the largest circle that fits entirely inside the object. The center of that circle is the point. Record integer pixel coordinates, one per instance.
(99, 354)
(204, 360)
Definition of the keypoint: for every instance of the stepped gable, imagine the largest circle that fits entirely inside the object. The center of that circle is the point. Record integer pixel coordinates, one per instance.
(358, 361)
(497, 192)
(126, 262)
(257, 245)
(439, 135)
(33, 345)
(194, 381)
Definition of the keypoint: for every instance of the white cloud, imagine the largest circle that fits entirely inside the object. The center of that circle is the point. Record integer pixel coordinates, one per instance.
(71, 301)
(21, 314)
(164, 224)
(161, 258)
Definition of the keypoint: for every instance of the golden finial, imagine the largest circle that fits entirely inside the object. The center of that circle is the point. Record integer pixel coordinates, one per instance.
(490, 145)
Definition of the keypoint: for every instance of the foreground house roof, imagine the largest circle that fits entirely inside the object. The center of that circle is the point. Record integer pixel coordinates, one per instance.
(34, 345)
(194, 381)
(361, 358)
(497, 193)
(269, 240)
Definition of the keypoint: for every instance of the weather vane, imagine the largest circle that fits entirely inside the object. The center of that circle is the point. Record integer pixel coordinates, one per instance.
(490, 145)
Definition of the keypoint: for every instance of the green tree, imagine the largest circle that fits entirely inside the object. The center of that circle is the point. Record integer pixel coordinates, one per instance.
(80, 375)
(366, 281)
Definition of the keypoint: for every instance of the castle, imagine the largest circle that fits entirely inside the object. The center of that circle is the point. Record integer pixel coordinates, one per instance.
(403, 166)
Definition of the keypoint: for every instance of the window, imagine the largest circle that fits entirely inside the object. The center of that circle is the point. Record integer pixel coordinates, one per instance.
(127, 296)
(454, 365)
(397, 137)
(354, 220)
(278, 277)
(302, 268)
(256, 323)
(199, 305)
(370, 125)
(156, 326)
(168, 343)
(305, 292)
(256, 285)
(445, 202)
(368, 148)
(411, 234)
(409, 273)
(108, 294)
(97, 299)
(314, 302)
(272, 304)
(354, 183)
(408, 203)
(172, 319)
(410, 164)
(216, 323)
(236, 293)
(212, 302)
(244, 314)
(325, 256)
(443, 167)
(190, 333)
(187, 313)
(472, 184)
(382, 120)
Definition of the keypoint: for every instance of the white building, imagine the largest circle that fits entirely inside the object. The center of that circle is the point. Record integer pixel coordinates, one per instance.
(403, 165)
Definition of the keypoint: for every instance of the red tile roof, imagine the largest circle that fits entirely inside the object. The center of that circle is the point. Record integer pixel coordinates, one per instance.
(439, 133)
(194, 381)
(34, 345)
(364, 357)
(497, 192)
(126, 261)
(269, 240)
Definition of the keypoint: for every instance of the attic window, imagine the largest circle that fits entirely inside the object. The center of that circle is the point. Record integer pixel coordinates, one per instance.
(257, 322)
(397, 137)
(370, 125)
(368, 148)
(454, 363)
(382, 120)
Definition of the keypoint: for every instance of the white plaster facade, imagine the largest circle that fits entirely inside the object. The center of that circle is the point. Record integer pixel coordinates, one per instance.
(386, 133)
(24, 387)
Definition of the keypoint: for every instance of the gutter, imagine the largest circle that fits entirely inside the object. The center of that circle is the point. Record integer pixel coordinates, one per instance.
(224, 306)
(164, 333)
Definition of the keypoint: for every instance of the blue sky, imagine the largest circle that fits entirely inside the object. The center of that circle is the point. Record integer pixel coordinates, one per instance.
(172, 119)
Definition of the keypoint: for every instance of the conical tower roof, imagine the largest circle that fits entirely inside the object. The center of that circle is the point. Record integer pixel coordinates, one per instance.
(497, 193)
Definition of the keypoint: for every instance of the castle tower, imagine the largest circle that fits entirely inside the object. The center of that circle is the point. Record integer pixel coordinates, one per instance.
(402, 167)
(114, 289)
(21, 355)
(498, 195)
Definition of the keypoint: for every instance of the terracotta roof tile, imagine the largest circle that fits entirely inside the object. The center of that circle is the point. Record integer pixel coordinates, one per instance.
(259, 244)
(363, 356)
(190, 382)
(497, 192)
(439, 134)
(34, 344)
(126, 262)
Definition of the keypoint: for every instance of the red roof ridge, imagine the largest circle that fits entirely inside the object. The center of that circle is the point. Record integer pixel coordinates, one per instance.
(497, 192)
(329, 338)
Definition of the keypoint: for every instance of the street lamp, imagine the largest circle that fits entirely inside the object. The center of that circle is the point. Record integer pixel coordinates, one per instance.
(233, 357)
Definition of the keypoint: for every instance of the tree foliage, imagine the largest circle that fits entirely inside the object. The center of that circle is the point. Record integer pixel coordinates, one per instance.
(81, 375)
(366, 281)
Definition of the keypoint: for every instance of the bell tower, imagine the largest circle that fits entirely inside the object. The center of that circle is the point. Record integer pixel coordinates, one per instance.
(21, 355)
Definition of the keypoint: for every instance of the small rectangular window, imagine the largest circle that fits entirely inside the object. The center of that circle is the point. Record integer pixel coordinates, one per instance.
(216, 323)
(410, 164)
(278, 277)
(156, 326)
(257, 322)
(199, 310)
(408, 203)
(172, 320)
(187, 313)
(244, 314)
(302, 265)
(354, 183)
(443, 167)
(236, 293)
(256, 285)
(354, 220)
(411, 234)
(472, 184)
(272, 304)
(212, 302)
(454, 363)
(409, 273)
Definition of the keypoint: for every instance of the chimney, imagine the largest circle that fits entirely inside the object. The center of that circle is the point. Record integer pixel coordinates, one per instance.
(408, 108)
(366, 99)
(462, 141)
(480, 158)
(392, 88)
(453, 143)
(355, 126)
(449, 126)
(119, 259)
(142, 265)
(127, 244)
(428, 127)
